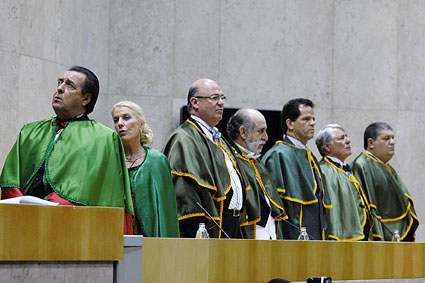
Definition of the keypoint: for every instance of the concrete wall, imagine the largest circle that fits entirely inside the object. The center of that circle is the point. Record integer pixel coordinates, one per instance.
(359, 61)
(57, 271)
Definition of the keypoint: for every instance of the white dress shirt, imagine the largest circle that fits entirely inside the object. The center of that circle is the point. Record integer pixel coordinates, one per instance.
(237, 197)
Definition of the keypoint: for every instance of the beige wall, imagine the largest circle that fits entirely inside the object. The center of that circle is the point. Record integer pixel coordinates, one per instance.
(359, 61)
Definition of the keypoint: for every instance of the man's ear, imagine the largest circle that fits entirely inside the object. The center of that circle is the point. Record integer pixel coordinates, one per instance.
(327, 148)
(289, 124)
(243, 132)
(194, 102)
(86, 99)
(370, 143)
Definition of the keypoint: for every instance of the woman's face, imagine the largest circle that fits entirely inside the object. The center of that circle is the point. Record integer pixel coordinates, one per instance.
(126, 124)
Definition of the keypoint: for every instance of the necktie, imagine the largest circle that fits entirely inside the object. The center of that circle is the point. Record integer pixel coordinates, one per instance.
(346, 167)
(215, 134)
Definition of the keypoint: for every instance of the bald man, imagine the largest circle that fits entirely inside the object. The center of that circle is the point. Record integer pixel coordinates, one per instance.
(204, 168)
(247, 130)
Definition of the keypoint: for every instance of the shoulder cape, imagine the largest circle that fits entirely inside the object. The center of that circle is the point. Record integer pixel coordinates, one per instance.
(346, 219)
(199, 172)
(388, 198)
(154, 197)
(85, 165)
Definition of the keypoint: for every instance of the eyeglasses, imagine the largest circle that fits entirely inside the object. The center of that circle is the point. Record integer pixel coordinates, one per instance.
(214, 97)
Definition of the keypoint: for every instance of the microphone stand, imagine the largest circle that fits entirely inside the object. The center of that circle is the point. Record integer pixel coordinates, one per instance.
(295, 227)
(198, 204)
(380, 221)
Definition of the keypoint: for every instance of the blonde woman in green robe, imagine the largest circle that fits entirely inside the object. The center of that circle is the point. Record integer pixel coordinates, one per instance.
(152, 189)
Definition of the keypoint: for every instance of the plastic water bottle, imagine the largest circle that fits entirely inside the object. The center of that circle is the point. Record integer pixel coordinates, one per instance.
(303, 235)
(202, 232)
(396, 236)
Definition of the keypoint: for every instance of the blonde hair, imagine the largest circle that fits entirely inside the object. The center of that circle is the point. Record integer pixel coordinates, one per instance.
(146, 134)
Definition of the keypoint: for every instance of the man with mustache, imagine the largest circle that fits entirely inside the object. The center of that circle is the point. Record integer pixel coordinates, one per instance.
(247, 130)
(296, 172)
(348, 219)
(204, 168)
(387, 195)
(70, 159)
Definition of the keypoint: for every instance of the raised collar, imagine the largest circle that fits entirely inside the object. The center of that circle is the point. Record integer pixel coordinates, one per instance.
(296, 142)
(370, 153)
(246, 152)
(208, 130)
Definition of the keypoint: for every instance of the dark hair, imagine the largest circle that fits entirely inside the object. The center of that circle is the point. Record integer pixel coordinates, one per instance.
(291, 110)
(373, 130)
(240, 118)
(193, 91)
(91, 85)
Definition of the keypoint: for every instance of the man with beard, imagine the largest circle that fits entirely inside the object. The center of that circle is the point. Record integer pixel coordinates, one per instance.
(247, 130)
(387, 195)
(204, 167)
(296, 173)
(348, 219)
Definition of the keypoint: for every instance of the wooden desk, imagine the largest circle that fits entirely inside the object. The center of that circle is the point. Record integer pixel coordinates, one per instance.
(60, 233)
(197, 260)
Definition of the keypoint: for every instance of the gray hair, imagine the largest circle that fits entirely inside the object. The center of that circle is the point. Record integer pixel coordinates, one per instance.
(240, 119)
(326, 136)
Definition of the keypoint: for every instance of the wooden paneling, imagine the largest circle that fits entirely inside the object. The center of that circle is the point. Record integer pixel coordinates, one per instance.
(175, 260)
(197, 260)
(60, 233)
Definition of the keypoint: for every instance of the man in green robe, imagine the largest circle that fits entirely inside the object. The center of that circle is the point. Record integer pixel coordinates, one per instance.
(204, 168)
(387, 195)
(247, 130)
(69, 159)
(348, 219)
(296, 172)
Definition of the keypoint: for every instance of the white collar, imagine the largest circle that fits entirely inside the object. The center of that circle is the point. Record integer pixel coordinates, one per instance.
(207, 129)
(296, 142)
(336, 160)
(249, 154)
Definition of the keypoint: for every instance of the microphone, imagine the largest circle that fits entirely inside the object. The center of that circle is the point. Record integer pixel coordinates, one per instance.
(380, 221)
(216, 224)
(295, 227)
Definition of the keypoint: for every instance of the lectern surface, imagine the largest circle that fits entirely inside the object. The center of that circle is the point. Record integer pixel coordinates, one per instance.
(212, 260)
(60, 233)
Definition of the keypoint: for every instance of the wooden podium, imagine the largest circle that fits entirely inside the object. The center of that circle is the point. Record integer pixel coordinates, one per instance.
(60, 233)
(67, 243)
(213, 260)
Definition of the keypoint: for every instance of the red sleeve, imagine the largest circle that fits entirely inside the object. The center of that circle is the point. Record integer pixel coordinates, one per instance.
(10, 193)
(128, 223)
(54, 197)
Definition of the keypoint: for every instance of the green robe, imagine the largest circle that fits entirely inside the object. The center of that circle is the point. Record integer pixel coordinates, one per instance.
(346, 219)
(388, 198)
(199, 172)
(85, 165)
(258, 178)
(291, 170)
(154, 197)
